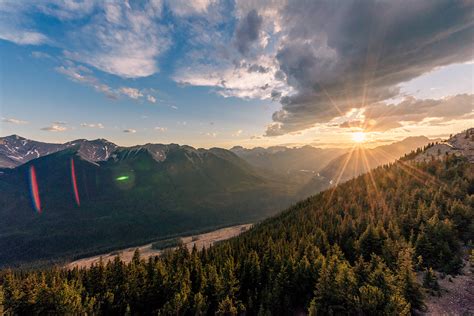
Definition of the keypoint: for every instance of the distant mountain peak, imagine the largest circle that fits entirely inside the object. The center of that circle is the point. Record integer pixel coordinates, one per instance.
(16, 150)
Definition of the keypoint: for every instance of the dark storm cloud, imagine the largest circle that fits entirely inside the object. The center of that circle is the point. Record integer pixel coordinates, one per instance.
(248, 31)
(338, 57)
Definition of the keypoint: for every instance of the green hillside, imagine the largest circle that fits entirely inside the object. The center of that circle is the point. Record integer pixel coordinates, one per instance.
(353, 249)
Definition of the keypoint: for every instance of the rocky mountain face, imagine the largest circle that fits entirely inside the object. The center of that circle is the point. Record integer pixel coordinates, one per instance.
(16, 150)
(92, 150)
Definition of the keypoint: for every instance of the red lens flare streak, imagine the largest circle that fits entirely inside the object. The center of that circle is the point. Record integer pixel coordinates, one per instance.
(74, 183)
(34, 190)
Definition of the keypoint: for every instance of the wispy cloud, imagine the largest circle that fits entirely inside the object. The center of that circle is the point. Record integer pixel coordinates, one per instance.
(84, 75)
(41, 55)
(237, 133)
(131, 92)
(92, 125)
(160, 129)
(118, 38)
(12, 120)
(23, 37)
(54, 128)
(121, 39)
(81, 74)
(186, 8)
(151, 98)
(210, 134)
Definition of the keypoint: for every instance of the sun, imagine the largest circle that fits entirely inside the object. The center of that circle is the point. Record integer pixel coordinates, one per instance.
(358, 137)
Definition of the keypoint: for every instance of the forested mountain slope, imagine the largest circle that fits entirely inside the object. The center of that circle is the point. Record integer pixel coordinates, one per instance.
(139, 194)
(352, 249)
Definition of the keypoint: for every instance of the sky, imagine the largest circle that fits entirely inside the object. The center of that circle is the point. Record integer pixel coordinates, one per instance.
(212, 73)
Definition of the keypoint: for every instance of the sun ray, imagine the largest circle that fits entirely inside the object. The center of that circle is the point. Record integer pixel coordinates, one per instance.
(418, 174)
(330, 99)
(380, 198)
(341, 171)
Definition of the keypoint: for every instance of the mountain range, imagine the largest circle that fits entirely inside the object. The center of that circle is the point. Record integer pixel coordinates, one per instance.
(137, 195)
(94, 196)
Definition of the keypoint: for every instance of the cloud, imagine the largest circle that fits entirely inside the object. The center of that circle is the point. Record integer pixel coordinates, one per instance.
(13, 121)
(248, 31)
(241, 79)
(185, 7)
(237, 133)
(54, 128)
(151, 99)
(319, 58)
(41, 55)
(130, 131)
(229, 54)
(382, 116)
(92, 125)
(122, 39)
(337, 57)
(131, 92)
(210, 134)
(119, 38)
(160, 129)
(82, 75)
(23, 37)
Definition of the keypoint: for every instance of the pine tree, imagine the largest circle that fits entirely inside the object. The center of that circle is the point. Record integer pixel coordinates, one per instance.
(227, 307)
(410, 288)
(2, 301)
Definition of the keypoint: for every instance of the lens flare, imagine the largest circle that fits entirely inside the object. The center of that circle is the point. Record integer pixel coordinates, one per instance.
(74, 183)
(35, 198)
(122, 178)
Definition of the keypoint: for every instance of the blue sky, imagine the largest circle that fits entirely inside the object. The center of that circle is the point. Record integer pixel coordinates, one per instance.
(222, 73)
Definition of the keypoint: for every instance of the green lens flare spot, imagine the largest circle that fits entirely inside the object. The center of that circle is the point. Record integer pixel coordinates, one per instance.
(122, 178)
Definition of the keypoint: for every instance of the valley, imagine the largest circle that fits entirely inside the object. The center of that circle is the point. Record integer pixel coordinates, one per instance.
(200, 241)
